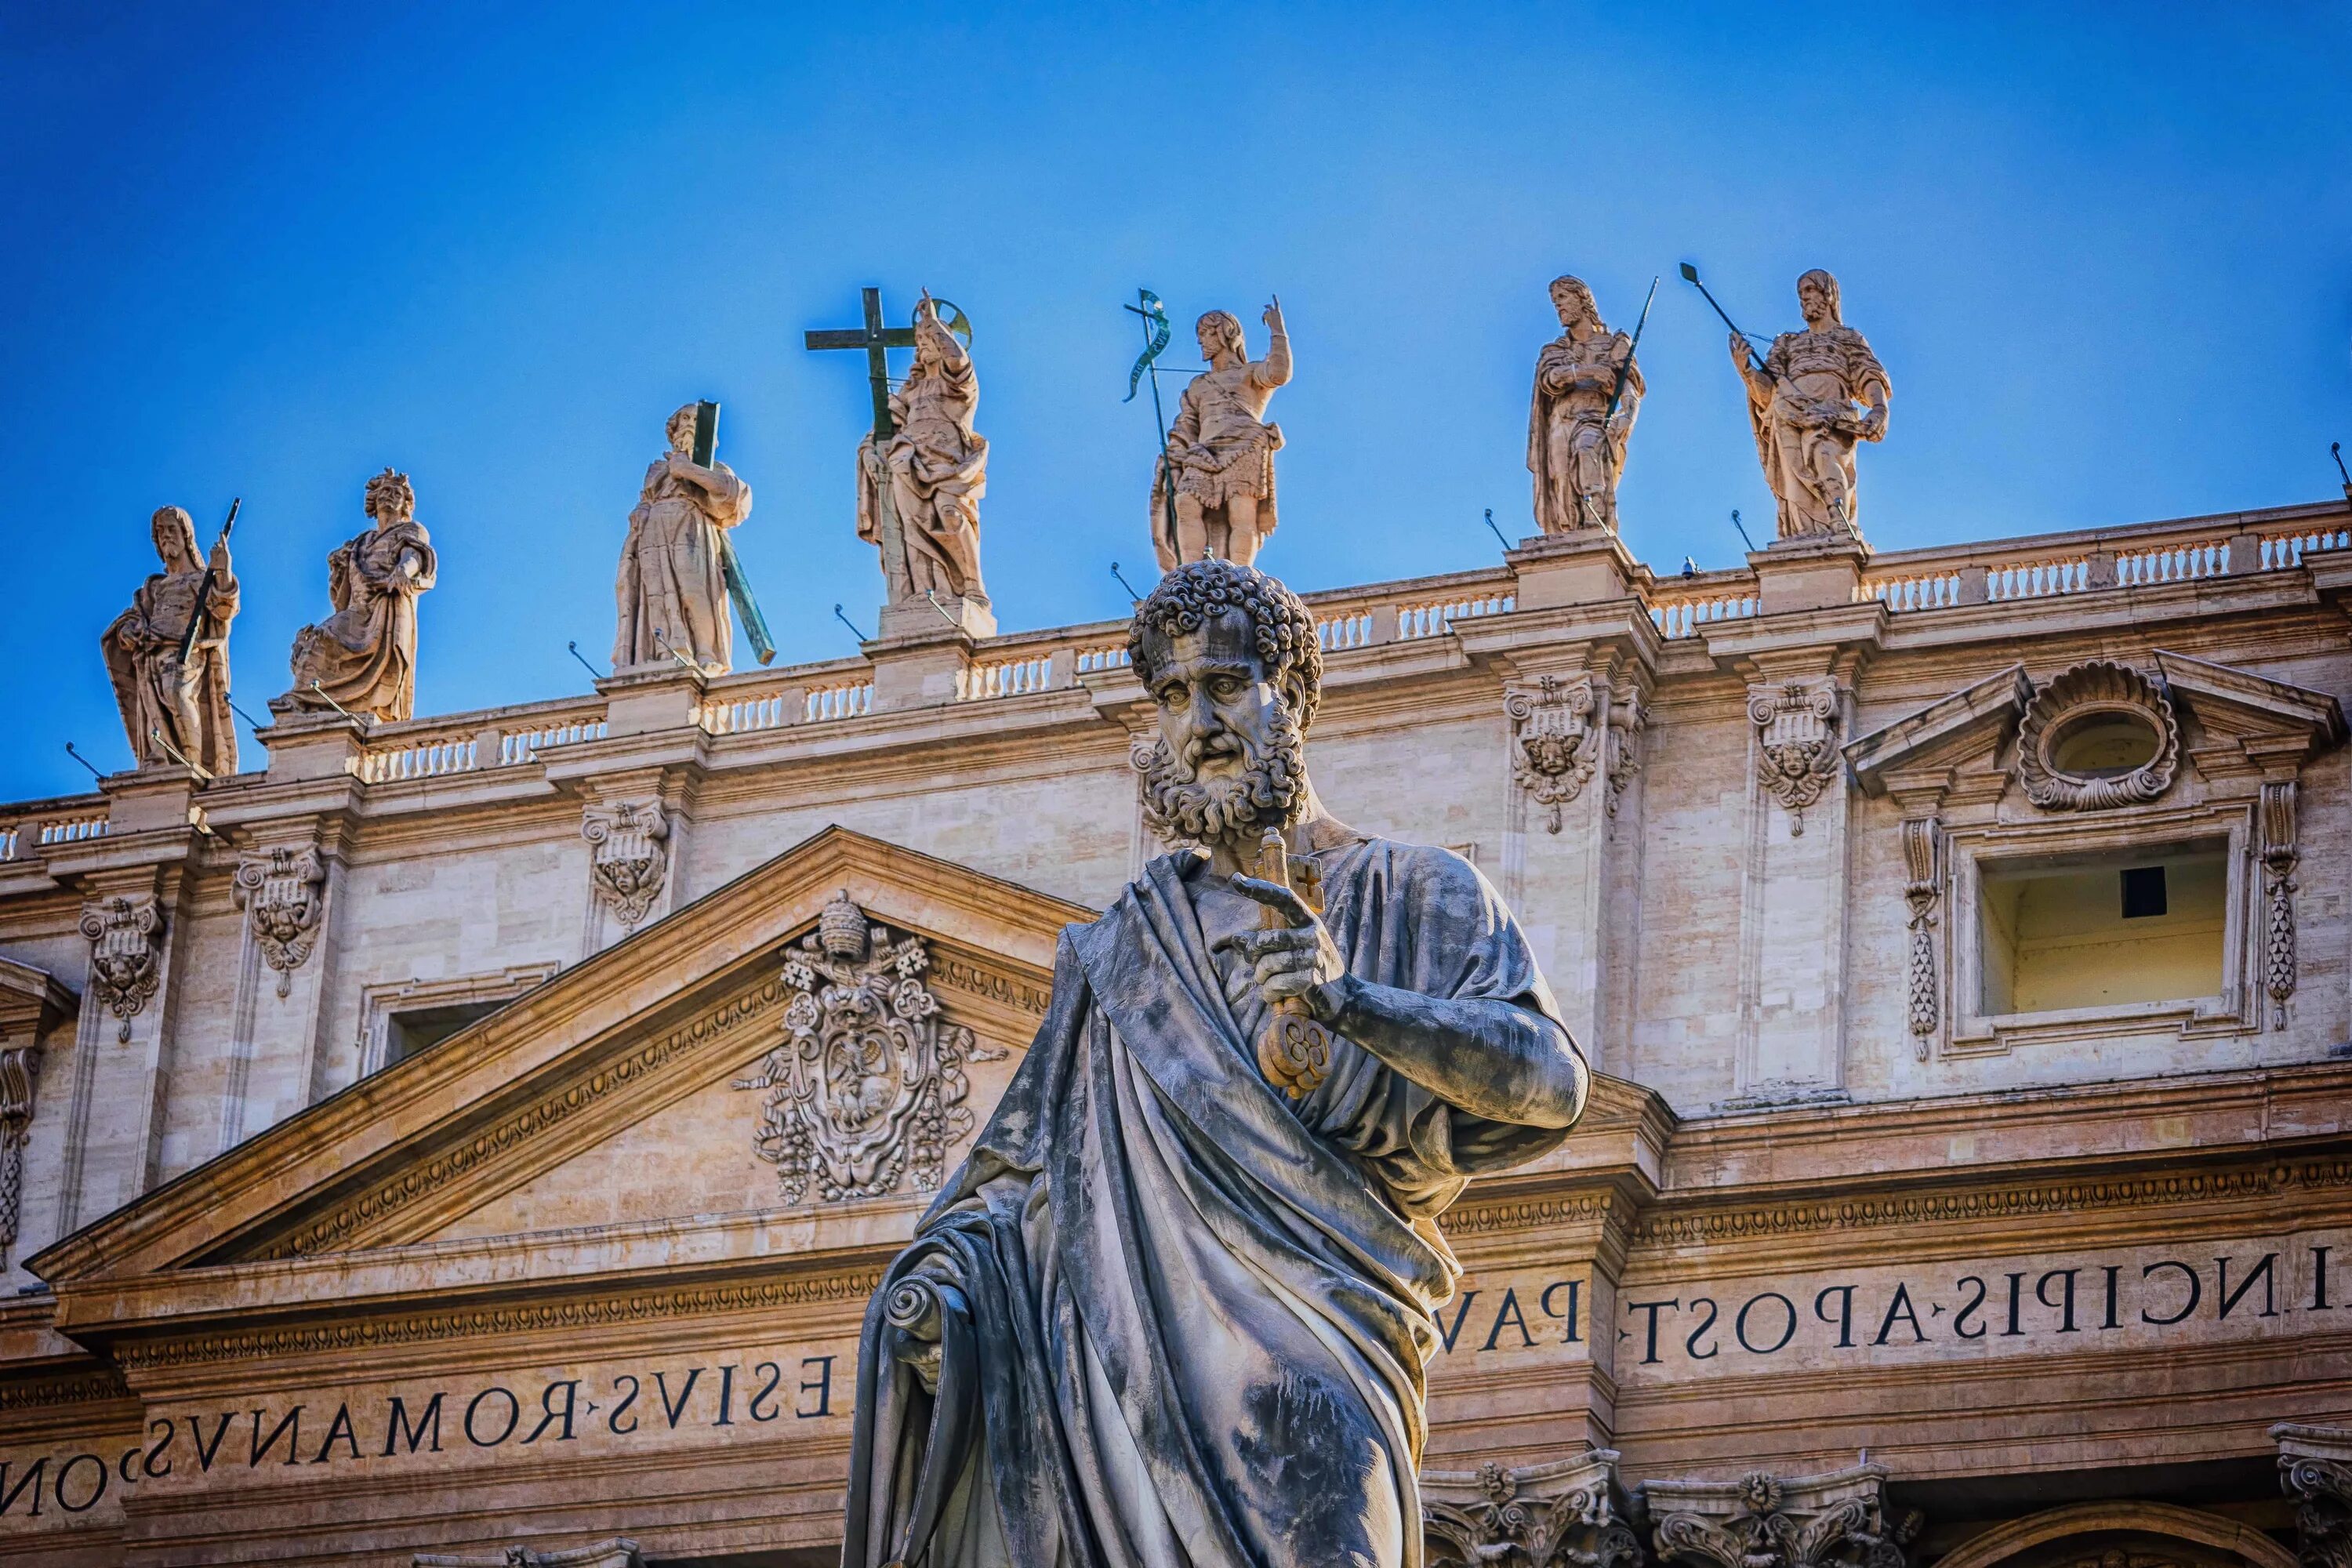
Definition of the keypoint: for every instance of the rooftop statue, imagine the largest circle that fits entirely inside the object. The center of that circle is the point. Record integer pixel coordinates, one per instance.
(937, 467)
(1178, 1304)
(672, 587)
(167, 706)
(1818, 393)
(1220, 455)
(362, 658)
(1576, 447)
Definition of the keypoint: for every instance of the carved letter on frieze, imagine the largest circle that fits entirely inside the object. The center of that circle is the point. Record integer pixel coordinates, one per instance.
(2279, 855)
(280, 895)
(20, 1067)
(1511, 1527)
(630, 856)
(1922, 891)
(1796, 744)
(1552, 751)
(126, 954)
(868, 1085)
(2321, 1489)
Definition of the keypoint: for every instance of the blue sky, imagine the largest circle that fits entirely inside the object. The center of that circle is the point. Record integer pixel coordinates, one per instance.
(2105, 253)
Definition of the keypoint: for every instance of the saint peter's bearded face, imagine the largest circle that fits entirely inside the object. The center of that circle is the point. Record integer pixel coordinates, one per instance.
(1230, 761)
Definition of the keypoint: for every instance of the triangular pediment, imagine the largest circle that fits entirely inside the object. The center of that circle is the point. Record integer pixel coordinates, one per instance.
(2268, 718)
(1968, 724)
(607, 1097)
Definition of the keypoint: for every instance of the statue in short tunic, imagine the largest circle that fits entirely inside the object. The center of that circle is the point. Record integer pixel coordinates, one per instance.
(938, 468)
(1819, 394)
(166, 706)
(1170, 1311)
(1575, 447)
(672, 587)
(362, 658)
(1221, 448)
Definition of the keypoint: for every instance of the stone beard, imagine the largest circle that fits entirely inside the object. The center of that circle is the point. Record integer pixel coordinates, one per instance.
(1166, 1313)
(671, 590)
(165, 706)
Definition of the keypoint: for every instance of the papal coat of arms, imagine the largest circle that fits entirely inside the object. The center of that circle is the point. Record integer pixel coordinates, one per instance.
(868, 1086)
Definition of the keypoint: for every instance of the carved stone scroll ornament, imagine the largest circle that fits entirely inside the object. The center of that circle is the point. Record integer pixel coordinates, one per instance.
(1772, 1530)
(1512, 1528)
(2279, 855)
(1553, 748)
(126, 954)
(280, 894)
(1627, 720)
(1923, 891)
(1796, 744)
(2088, 692)
(2321, 1489)
(20, 1069)
(629, 856)
(868, 1085)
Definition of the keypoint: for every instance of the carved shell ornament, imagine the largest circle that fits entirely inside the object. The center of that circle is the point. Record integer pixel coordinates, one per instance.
(2096, 736)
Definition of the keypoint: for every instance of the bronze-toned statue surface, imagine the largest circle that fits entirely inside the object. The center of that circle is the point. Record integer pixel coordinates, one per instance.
(1178, 1305)
(167, 706)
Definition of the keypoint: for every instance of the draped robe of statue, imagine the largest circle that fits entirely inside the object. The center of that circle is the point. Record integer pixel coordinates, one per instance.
(671, 579)
(1569, 452)
(364, 654)
(1807, 426)
(1223, 412)
(938, 467)
(1200, 1313)
(190, 706)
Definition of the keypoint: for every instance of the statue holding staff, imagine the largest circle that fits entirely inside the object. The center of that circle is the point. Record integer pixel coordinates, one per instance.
(1576, 444)
(1817, 394)
(362, 658)
(671, 590)
(183, 703)
(937, 465)
(1219, 453)
(1179, 1304)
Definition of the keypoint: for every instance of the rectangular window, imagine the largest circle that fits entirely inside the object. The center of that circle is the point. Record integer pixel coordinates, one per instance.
(2105, 930)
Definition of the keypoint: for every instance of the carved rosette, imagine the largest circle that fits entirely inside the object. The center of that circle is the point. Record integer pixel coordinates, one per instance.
(1553, 748)
(126, 954)
(1923, 891)
(869, 1087)
(2279, 855)
(629, 856)
(1796, 743)
(2321, 1489)
(280, 894)
(20, 1067)
(1773, 1527)
(1513, 1527)
(2088, 691)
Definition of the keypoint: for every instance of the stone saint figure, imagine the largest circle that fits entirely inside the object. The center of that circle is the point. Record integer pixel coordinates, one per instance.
(672, 590)
(1221, 448)
(938, 467)
(1819, 392)
(1164, 1314)
(1577, 463)
(188, 706)
(364, 654)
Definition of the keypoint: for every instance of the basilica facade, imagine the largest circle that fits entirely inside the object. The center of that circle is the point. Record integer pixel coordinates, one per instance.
(480, 1133)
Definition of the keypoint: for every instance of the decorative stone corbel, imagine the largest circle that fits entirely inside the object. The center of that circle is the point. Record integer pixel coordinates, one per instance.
(629, 858)
(2316, 1469)
(1797, 756)
(1923, 890)
(281, 892)
(1760, 1521)
(1560, 1515)
(1628, 717)
(1553, 747)
(126, 952)
(2279, 855)
(20, 1069)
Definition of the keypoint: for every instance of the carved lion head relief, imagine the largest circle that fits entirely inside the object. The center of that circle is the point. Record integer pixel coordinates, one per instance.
(2098, 735)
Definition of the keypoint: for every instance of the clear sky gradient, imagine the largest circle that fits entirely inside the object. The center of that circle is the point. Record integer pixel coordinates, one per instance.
(2105, 253)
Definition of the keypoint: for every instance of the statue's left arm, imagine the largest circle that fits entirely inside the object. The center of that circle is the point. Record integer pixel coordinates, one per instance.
(1871, 390)
(731, 498)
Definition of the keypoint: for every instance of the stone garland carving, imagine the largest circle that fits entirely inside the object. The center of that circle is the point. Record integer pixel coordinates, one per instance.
(868, 1085)
(1923, 892)
(1577, 1529)
(2087, 690)
(126, 954)
(2322, 1516)
(1796, 744)
(1627, 720)
(280, 894)
(2279, 855)
(1553, 751)
(20, 1068)
(1850, 1533)
(630, 857)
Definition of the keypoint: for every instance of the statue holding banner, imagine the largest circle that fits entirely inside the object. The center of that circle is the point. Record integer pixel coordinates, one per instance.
(168, 706)
(1220, 454)
(672, 587)
(1179, 1304)
(362, 658)
(935, 466)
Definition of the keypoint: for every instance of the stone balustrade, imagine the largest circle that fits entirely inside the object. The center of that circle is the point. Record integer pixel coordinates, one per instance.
(30, 830)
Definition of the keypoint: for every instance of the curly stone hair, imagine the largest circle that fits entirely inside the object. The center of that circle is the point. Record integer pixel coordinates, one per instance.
(382, 492)
(1280, 625)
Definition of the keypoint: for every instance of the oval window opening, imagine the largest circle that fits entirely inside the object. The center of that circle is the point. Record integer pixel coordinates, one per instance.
(2103, 746)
